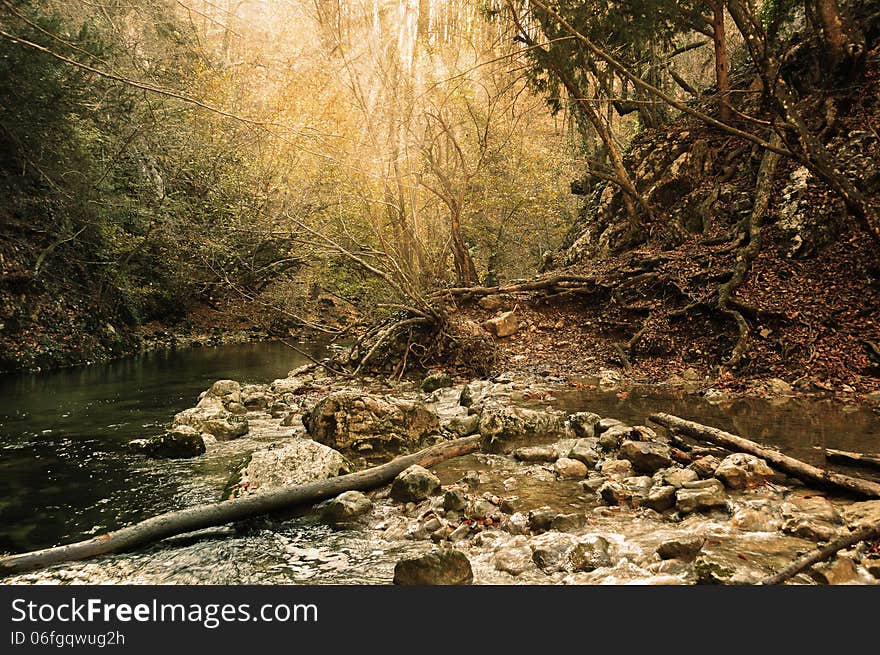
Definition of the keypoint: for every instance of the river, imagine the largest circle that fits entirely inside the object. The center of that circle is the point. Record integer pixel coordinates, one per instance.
(65, 471)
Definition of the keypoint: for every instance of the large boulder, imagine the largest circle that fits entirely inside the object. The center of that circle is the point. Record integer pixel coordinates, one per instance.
(349, 420)
(500, 424)
(700, 496)
(583, 424)
(502, 325)
(862, 514)
(414, 484)
(811, 517)
(646, 457)
(290, 463)
(214, 417)
(346, 507)
(179, 442)
(741, 470)
(441, 567)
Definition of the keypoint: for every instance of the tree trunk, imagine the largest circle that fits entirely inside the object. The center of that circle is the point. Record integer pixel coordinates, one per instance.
(214, 514)
(838, 42)
(790, 465)
(465, 271)
(722, 60)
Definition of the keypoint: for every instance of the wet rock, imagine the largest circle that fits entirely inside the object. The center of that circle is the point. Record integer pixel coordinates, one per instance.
(212, 417)
(279, 409)
(756, 518)
(676, 477)
(346, 507)
(570, 469)
(227, 391)
(660, 498)
(593, 482)
(700, 496)
(500, 424)
(611, 438)
(683, 548)
(589, 554)
(617, 468)
(473, 393)
(440, 567)
(568, 522)
(480, 509)
(550, 551)
(539, 519)
(510, 504)
(289, 385)
(741, 470)
(518, 524)
(811, 517)
(454, 500)
(514, 559)
(178, 443)
(461, 532)
(348, 420)
(464, 426)
(613, 492)
(435, 381)
(708, 571)
(638, 485)
(605, 424)
(536, 454)
(705, 466)
(645, 456)
(290, 463)
(583, 424)
(502, 325)
(862, 514)
(255, 396)
(414, 484)
(840, 570)
(583, 451)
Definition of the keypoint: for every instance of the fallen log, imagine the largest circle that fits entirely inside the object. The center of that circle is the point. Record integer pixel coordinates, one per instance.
(790, 465)
(856, 459)
(821, 554)
(213, 514)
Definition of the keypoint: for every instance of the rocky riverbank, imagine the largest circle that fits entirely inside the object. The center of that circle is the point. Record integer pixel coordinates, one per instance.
(554, 496)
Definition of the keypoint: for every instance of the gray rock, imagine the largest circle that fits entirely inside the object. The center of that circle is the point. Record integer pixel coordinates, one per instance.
(568, 522)
(539, 519)
(514, 560)
(178, 443)
(605, 424)
(593, 482)
(255, 396)
(589, 554)
(756, 518)
(660, 498)
(480, 509)
(675, 477)
(705, 466)
(348, 420)
(840, 570)
(414, 485)
(441, 567)
(613, 492)
(583, 424)
(617, 468)
(570, 469)
(346, 507)
(461, 532)
(611, 438)
(811, 517)
(550, 551)
(683, 548)
(490, 303)
(536, 454)
(741, 470)
(454, 500)
(583, 451)
(464, 426)
(645, 456)
(700, 496)
(435, 381)
(212, 417)
(288, 463)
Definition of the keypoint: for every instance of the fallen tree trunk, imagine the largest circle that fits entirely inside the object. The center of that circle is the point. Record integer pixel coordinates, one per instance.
(856, 459)
(213, 514)
(821, 554)
(789, 465)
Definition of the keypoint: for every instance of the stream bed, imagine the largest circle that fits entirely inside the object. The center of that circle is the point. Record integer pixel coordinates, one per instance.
(66, 474)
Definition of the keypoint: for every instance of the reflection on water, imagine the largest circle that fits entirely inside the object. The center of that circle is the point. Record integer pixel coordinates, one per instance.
(64, 468)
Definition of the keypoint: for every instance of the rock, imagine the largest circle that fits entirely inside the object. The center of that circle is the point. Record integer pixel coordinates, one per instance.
(502, 325)
(472, 393)
(513, 559)
(700, 496)
(710, 572)
(454, 500)
(570, 469)
(606, 424)
(613, 492)
(461, 532)
(500, 424)
(589, 554)
(414, 484)
(346, 507)
(212, 417)
(683, 548)
(228, 391)
(539, 519)
(349, 420)
(435, 381)
(756, 518)
(645, 456)
(518, 524)
(550, 551)
(255, 396)
(593, 482)
(480, 509)
(705, 466)
(811, 517)
(441, 567)
(178, 443)
(583, 424)
(290, 463)
(290, 385)
(778, 387)
(660, 498)
(237, 408)
(617, 468)
(862, 514)
(583, 451)
(536, 454)
(611, 438)
(675, 477)
(840, 570)
(741, 470)
(279, 409)
(490, 303)
(464, 426)
(568, 522)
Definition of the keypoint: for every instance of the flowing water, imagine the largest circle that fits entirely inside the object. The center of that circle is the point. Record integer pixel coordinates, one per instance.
(65, 473)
